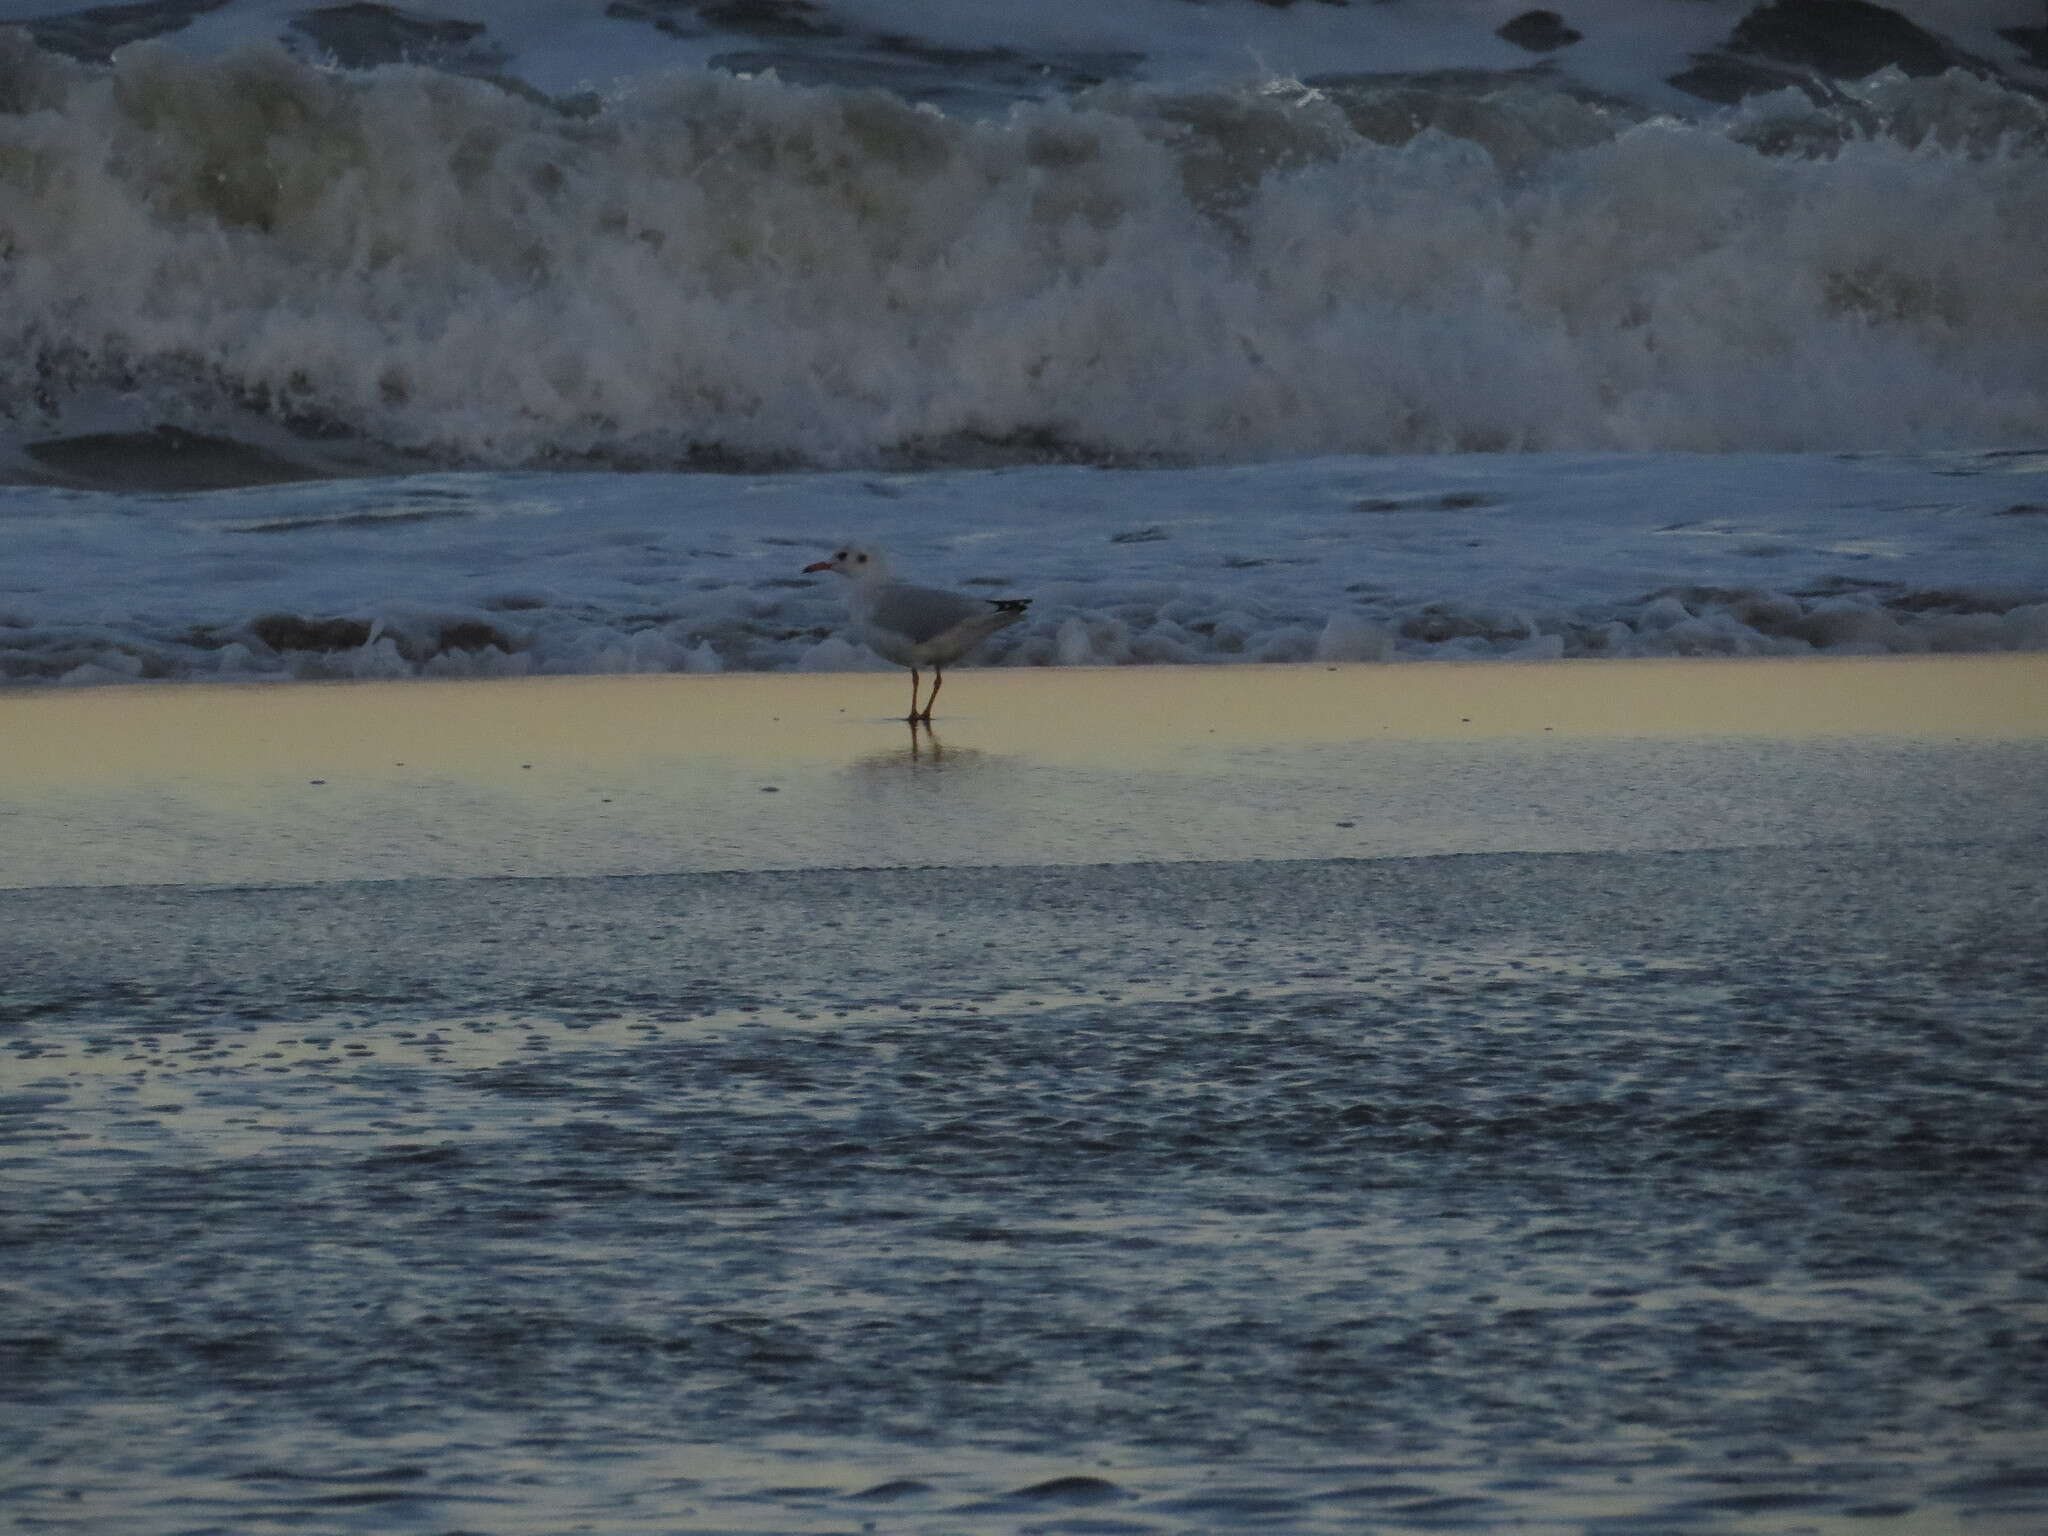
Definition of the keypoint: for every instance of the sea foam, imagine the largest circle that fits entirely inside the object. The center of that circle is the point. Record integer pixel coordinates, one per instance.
(712, 271)
(1524, 556)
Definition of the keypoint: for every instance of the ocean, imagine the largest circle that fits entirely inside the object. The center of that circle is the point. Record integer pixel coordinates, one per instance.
(549, 339)
(544, 1131)
(1624, 1192)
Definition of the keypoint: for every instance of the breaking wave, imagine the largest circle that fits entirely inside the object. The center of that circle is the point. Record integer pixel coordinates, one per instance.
(708, 271)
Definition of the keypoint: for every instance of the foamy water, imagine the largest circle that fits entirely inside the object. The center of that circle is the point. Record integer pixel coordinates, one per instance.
(1320, 331)
(1341, 559)
(695, 268)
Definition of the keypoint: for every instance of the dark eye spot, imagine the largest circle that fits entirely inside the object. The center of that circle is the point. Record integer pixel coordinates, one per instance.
(860, 559)
(840, 556)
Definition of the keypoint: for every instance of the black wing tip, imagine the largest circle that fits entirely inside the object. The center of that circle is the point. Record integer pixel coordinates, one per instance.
(1010, 604)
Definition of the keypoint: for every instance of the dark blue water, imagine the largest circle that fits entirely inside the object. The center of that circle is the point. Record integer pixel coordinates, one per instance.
(1692, 1191)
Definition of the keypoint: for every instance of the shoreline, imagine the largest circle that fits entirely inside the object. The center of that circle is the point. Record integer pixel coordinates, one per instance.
(592, 776)
(1991, 695)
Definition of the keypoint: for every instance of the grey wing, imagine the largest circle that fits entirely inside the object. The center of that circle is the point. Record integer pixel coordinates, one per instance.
(922, 613)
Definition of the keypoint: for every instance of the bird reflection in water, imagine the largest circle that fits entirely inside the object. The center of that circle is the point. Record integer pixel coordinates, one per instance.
(923, 753)
(927, 801)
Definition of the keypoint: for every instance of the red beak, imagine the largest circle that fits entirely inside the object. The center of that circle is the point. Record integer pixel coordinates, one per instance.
(822, 565)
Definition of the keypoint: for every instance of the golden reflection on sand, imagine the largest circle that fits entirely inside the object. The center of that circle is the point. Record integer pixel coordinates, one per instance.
(275, 783)
(495, 732)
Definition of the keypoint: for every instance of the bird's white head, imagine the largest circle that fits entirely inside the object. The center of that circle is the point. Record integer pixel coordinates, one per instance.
(858, 562)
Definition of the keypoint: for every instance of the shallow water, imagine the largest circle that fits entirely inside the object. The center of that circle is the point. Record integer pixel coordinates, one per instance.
(1606, 1191)
(654, 776)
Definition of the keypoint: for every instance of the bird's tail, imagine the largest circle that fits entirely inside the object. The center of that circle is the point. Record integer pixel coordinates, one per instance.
(1010, 604)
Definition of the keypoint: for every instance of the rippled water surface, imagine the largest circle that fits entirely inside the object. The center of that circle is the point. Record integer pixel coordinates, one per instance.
(1620, 1192)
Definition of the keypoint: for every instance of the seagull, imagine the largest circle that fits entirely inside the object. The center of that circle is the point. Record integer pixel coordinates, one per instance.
(915, 626)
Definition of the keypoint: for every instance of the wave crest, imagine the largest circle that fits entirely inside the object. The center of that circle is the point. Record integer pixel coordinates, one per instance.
(718, 271)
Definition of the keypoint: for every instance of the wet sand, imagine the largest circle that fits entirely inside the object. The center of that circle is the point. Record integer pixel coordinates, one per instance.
(1164, 1143)
(644, 775)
